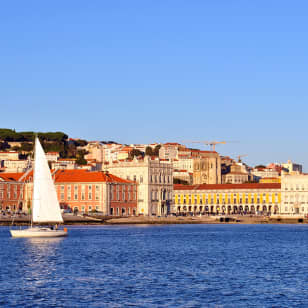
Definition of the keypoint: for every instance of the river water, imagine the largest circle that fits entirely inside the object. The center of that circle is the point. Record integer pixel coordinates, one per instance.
(158, 266)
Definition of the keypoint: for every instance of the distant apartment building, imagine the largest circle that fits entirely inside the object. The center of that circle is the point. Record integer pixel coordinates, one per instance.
(64, 163)
(13, 166)
(184, 164)
(169, 150)
(124, 153)
(52, 156)
(12, 155)
(95, 151)
(292, 167)
(110, 152)
(259, 173)
(155, 182)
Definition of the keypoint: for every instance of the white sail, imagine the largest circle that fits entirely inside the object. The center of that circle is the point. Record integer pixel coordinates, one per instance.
(45, 204)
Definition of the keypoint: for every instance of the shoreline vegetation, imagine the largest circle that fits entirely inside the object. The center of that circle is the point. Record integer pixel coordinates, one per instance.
(107, 220)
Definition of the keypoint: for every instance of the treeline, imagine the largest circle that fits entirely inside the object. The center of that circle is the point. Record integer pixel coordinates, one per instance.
(11, 135)
(51, 142)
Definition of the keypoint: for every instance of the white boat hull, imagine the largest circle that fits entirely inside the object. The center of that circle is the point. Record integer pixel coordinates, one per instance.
(38, 232)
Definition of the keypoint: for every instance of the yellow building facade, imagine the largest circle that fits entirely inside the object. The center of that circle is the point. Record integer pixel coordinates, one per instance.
(251, 198)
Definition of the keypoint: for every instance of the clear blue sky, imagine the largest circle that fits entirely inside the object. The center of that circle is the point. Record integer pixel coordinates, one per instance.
(146, 71)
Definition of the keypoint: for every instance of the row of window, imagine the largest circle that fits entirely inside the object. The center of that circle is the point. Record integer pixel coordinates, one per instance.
(235, 201)
(161, 179)
(123, 211)
(204, 199)
(153, 179)
(292, 198)
(296, 187)
(125, 196)
(8, 195)
(81, 191)
(164, 195)
(8, 186)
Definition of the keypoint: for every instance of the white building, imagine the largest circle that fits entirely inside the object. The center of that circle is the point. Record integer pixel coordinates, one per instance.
(64, 163)
(260, 173)
(12, 155)
(52, 156)
(292, 167)
(294, 194)
(155, 183)
(14, 166)
(184, 164)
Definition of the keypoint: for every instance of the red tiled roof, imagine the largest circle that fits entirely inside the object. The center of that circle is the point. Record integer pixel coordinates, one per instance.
(227, 186)
(172, 143)
(68, 176)
(9, 177)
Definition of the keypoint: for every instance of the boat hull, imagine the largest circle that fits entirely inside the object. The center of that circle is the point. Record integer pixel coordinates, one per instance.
(38, 232)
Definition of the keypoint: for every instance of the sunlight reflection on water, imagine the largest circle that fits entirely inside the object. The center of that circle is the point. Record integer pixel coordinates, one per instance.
(157, 266)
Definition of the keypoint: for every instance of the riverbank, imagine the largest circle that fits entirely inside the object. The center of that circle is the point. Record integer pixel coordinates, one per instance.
(107, 220)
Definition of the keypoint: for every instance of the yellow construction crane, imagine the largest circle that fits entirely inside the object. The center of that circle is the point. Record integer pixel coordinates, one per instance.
(239, 160)
(212, 144)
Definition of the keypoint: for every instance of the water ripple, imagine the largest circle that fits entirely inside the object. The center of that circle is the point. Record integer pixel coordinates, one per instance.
(158, 266)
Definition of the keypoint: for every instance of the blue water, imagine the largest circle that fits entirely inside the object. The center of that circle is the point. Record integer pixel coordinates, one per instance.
(158, 266)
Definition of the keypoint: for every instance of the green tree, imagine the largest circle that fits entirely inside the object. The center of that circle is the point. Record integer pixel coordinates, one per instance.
(148, 151)
(80, 157)
(260, 167)
(156, 150)
(179, 181)
(4, 146)
(135, 152)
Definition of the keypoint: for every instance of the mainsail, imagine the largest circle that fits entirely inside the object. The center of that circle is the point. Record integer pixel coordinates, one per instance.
(45, 204)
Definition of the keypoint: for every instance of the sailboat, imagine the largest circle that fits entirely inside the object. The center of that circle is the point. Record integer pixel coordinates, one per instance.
(45, 204)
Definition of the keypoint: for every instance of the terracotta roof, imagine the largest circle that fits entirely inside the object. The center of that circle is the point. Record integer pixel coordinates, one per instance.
(172, 143)
(68, 176)
(9, 177)
(208, 152)
(228, 186)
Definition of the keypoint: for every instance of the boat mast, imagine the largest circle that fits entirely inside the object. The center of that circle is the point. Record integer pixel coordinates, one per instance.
(34, 148)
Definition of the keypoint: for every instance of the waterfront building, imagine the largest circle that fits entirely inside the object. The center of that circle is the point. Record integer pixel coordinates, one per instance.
(155, 182)
(80, 190)
(294, 193)
(87, 191)
(11, 192)
(227, 198)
